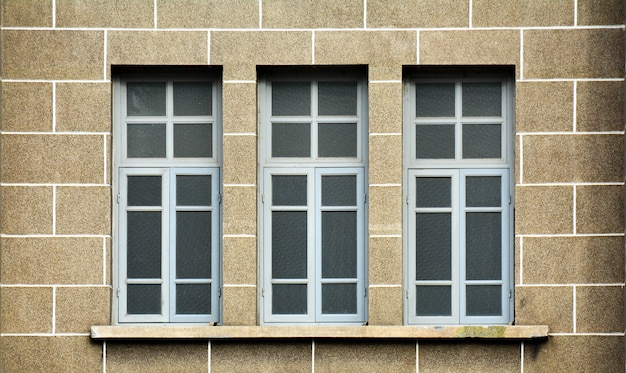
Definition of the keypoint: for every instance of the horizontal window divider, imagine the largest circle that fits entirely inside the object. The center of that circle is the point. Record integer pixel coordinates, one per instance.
(194, 208)
(483, 282)
(147, 281)
(275, 281)
(193, 281)
(339, 280)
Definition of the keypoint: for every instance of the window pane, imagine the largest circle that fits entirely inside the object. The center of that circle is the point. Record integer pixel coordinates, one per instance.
(193, 98)
(291, 140)
(482, 99)
(433, 301)
(289, 190)
(193, 190)
(433, 191)
(289, 299)
(434, 142)
(291, 98)
(433, 247)
(484, 300)
(339, 190)
(483, 245)
(143, 244)
(144, 191)
(434, 100)
(145, 140)
(482, 141)
(483, 191)
(339, 251)
(143, 299)
(337, 139)
(193, 299)
(337, 98)
(145, 98)
(339, 299)
(193, 244)
(193, 140)
(289, 244)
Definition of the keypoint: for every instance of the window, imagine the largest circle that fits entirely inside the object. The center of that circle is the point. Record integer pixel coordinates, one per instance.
(167, 183)
(458, 136)
(313, 181)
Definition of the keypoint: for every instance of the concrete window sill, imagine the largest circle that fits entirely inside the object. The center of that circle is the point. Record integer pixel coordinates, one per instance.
(172, 332)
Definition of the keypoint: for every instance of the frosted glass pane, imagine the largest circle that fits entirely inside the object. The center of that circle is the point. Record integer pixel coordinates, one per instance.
(482, 141)
(434, 100)
(291, 140)
(484, 300)
(337, 98)
(339, 299)
(291, 98)
(339, 190)
(193, 140)
(143, 299)
(193, 299)
(144, 191)
(193, 244)
(339, 249)
(145, 140)
(433, 301)
(434, 142)
(337, 139)
(289, 190)
(145, 98)
(483, 242)
(482, 99)
(143, 244)
(289, 299)
(483, 191)
(193, 98)
(193, 190)
(289, 244)
(433, 192)
(433, 246)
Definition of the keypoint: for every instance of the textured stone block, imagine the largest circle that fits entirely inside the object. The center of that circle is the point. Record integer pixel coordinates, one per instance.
(385, 159)
(385, 305)
(240, 159)
(585, 53)
(544, 106)
(186, 356)
(313, 14)
(26, 309)
(239, 305)
(384, 51)
(240, 260)
(544, 210)
(264, 356)
(599, 106)
(208, 14)
(567, 158)
(26, 13)
(573, 260)
(385, 210)
(83, 107)
(239, 108)
(600, 209)
(105, 13)
(417, 13)
(26, 107)
(385, 107)
(513, 13)
(382, 356)
(157, 48)
(52, 159)
(545, 305)
(242, 52)
(239, 211)
(26, 210)
(83, 210)
(385, 260)
(605, 12)
(78, 308)
(63, 260)
(55, 54)
(50, 354)
(477, 47)
(468, 357)
(599, 309)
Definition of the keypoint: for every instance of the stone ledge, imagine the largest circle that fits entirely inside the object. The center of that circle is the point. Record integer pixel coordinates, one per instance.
(515, 332)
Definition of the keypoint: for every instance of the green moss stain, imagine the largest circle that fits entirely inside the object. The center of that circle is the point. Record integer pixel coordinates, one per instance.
(480, 332)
